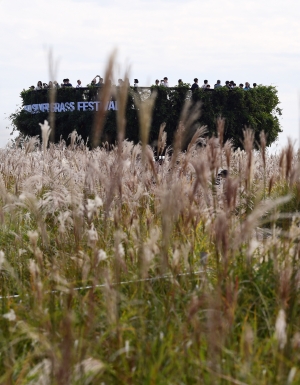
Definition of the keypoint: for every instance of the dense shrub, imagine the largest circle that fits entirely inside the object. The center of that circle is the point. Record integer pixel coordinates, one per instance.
(257, 108)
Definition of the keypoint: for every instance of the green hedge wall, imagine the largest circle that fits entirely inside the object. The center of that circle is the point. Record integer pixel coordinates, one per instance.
(256, 108)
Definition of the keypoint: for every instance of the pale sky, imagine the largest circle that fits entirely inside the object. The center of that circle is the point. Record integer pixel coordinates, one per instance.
(255, 41)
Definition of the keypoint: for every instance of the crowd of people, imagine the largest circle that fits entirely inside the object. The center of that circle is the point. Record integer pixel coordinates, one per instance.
(96, 82)
(229, 84)
(99, 82)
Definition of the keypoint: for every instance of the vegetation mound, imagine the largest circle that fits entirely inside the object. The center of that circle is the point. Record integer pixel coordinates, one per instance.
(256, 108)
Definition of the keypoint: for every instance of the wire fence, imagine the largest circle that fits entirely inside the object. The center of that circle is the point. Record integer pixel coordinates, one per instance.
(89, 287)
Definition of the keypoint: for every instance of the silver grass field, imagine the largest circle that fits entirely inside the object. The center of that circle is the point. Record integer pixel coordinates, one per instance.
(119, 269)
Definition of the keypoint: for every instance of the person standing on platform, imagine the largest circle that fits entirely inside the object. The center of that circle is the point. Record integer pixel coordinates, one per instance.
(68, 84)
(218, 84)
(227, 84)
(39, 86)
(195, 86)
(100, 83)
(205, 84)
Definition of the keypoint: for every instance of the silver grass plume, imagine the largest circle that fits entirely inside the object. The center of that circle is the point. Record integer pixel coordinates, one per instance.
(45, 128)
(104, 97)
(145, 117)
(162, 139)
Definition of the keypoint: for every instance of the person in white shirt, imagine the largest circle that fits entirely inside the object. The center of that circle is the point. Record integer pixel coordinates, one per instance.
(205, 84)
(39, 86)
(166, 83)
(78, 84)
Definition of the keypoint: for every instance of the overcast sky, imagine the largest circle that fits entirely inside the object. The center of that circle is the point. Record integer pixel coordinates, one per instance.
(256, 41)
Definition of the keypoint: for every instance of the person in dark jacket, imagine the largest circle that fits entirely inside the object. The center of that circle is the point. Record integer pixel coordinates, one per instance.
(227, 84)
(195, 86)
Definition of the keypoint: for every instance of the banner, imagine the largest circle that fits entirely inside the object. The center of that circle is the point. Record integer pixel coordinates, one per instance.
(69, 107)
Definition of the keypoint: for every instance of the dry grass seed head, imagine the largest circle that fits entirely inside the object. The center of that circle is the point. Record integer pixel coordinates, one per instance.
(73, 136)
(122, 96)
(289, 153)
(213, 154)
(228, 150)
(221, 234)
(53, 67)
(263, 143)
(189, 116)
(45, 128)
(162, 139)
(104, 97)
(230, 189)
(145, 117)
(196, 138)
(220, 129)
(31, 144)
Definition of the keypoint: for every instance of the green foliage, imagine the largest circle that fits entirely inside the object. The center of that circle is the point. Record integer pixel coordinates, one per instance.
(256, 108)
(66, 122)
